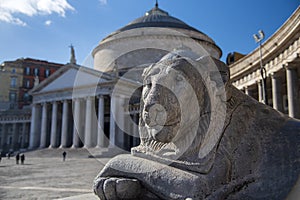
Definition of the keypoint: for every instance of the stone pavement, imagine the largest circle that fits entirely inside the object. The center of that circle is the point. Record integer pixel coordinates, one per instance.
(45, 176)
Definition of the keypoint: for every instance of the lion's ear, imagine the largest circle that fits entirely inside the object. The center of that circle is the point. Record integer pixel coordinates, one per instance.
(215, 68)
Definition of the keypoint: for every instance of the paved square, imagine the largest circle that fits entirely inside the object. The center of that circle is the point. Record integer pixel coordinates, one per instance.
(45, 176)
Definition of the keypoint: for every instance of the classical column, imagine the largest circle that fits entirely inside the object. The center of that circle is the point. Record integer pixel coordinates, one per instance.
(248, 91)
(35, 127)
(120, 122)
(292, 85)
(112, 124)
(77, 126)
(260, 91)
(15, 136)
(276, 92)
(54, 125)
(44, 126)
(4, 136)
(64, 126)
(88, 123)
(135, 130)
(24, 129)
(101, 136)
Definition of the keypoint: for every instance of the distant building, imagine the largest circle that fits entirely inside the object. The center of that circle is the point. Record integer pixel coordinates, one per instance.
(281, 59)
(16, 79)
(14, 130)
(11, 79)
(233, 57)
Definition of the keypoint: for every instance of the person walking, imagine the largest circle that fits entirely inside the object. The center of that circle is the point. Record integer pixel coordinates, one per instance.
(17, 158)
(22, 158)
(64, 155)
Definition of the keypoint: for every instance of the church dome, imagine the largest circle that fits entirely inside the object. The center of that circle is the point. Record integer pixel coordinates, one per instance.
(157, 17)
(147, 39)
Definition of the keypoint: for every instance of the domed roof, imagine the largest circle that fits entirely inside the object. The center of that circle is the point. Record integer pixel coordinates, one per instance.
(147, 39)
(157, 17)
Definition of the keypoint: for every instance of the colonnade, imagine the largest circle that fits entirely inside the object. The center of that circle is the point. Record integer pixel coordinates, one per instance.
(281, 83)
(14, 136)
(78, 123)
(68, 123)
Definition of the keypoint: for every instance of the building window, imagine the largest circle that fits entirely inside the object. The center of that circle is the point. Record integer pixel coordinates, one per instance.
(27, 71)
(10, 140)
(13, 71)
(36, 71)
(26, 83)
(26, 97)
(12, 97)
(47, 73)
(13, 82)
(20, 139)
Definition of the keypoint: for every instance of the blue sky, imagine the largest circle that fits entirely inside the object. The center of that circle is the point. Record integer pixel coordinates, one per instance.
(44, 29)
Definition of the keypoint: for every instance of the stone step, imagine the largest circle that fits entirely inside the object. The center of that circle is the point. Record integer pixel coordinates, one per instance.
(75, 152)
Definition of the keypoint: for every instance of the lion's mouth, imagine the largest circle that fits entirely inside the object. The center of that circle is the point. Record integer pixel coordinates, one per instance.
(162, 134)
(157, 121)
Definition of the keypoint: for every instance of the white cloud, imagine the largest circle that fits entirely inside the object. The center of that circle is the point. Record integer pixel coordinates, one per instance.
(48, 22)
(9, 8)
(103, 2)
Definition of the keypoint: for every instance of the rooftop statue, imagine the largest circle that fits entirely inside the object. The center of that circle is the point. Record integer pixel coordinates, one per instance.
(201, 138)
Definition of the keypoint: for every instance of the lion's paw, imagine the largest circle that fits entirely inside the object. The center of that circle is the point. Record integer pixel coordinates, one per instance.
(117, 188)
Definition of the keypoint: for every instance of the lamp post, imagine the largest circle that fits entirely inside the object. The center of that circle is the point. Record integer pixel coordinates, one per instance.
(258, 38)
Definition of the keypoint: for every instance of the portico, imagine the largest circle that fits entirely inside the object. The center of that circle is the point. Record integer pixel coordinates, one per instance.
(85, 112)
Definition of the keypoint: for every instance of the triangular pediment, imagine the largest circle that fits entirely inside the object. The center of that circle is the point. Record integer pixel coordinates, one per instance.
(70, 77)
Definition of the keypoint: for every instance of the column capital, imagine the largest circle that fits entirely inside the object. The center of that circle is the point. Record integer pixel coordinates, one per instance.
(65, 100)
(288, 66)
(274, 75)
(45, 103)
(36, 105)
(89, 97)
(54, 102)
(100, 96)
(76, 99)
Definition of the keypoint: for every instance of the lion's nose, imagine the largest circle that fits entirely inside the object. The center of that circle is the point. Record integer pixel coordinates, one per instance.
(154, 114)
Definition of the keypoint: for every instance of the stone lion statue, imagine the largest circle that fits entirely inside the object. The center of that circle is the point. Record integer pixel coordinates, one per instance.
(201, 138)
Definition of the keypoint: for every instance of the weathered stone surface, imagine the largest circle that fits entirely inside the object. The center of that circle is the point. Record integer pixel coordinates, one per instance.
(201, 138)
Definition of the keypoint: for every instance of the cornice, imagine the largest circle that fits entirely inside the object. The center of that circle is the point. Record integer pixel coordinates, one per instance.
(139, 38)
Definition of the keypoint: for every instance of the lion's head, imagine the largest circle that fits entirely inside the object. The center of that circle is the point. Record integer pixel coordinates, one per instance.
(180, 99)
